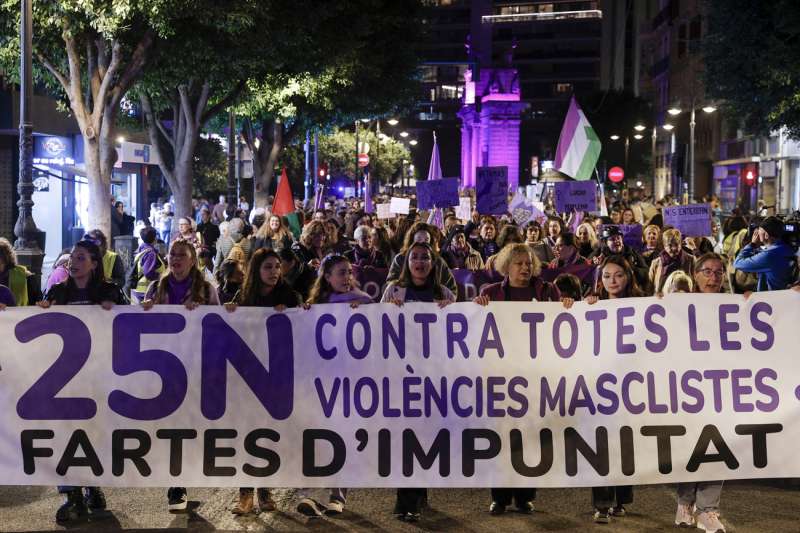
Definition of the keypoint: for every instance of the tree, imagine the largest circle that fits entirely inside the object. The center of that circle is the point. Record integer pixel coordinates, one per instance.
(338, 150)
(90, 53)
(368, 70)
(210, 168)
(752, 58)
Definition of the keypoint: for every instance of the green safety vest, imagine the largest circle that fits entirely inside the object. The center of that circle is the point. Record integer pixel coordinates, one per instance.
(108, 264)
(18, 284)
(143, 283)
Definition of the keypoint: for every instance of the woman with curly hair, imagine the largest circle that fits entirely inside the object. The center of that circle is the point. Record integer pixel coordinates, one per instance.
(273, 235)
(312, 245)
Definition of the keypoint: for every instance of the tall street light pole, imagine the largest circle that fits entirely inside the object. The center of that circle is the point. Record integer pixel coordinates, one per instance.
(653, 139)
(232, 199)
(691, 155)
(28, 252)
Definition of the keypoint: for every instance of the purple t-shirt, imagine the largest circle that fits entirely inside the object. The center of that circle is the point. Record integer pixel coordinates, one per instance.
(6, 296)
(177, 290)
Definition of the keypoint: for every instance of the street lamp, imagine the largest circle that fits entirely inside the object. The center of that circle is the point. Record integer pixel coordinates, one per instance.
(412, 142)
(404, 134)
(638, 136)
(615, 137)
(668, 127)
(675, 110)
(639, 127)
(26, 246)
(392, 122)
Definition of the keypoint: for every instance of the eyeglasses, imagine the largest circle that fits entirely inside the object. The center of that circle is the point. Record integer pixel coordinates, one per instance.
(707, 272)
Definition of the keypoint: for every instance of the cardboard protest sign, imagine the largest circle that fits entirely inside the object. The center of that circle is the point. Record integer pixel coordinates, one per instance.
(384, 210)
(464, 209)
(575, 196)
(692, 220)
(400, 206)
(491, 187)
(437, 193)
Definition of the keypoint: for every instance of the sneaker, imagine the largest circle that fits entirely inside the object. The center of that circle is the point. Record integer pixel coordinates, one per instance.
(95, 500)
(496, 508)
(411, 517)
(709, 521)
(176, 497)
(617, 511)
(334, 507)
(601, 517)
(684, 516)
(525, 507)
(309, 507)
(73, 508)
(265, 502)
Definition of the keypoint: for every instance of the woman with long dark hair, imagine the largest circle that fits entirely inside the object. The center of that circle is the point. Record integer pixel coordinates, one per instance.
(263, 287)
(86, 285)
(181, 284)
(418, 282)
(617, 280)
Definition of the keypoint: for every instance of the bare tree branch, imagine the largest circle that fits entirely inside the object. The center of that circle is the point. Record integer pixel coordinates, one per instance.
(133, 68)
(202, 101)
(111, 73)
(151, 121)
(62, 79)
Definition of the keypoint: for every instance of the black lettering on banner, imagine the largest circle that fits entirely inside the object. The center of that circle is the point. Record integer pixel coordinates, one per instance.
(711, 435)
(252, 447)
(136, 455)
(412, 449)
(470, 454)
(176, 438)
(79, 439)
(663, 434)
(518, 457)
(29, 453)
(211, 451)
(310, 438)
(574, 443)
(627, 455)
(384, 453)
(759, 433)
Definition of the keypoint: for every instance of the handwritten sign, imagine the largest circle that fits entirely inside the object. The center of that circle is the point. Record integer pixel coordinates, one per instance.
(575, 196)
(400, 206)
(437, 193)
(464, 209)
(692, 220)
(491, 186)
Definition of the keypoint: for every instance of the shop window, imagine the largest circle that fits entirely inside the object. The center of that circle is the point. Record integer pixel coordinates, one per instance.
(563, 88)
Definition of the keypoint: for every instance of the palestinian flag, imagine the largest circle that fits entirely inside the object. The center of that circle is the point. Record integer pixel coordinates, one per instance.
(283, 205)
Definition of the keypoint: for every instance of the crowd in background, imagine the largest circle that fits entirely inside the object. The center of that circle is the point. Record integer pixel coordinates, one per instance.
(241, 257)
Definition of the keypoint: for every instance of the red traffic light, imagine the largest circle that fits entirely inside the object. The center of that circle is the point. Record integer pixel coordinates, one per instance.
(322, 172)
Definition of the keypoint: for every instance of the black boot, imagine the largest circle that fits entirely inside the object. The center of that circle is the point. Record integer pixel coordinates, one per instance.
(74, 508)
(95, 500)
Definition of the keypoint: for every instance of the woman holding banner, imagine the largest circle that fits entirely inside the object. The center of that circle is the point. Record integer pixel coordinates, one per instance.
(521, 283)
(334, 284)
(422, 232)
(617, 280)
(84, 286)
(418, 282)
(263, 287)
(182, 284)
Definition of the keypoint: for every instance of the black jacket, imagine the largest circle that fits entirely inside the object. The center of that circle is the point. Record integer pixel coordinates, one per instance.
(62, 293)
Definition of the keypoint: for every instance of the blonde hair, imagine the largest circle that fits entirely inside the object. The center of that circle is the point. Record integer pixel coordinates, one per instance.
(670, 234)
(200, 287)
(678, 281)
(506, 255)
(315, 226)
(265, 232)
(590, 231)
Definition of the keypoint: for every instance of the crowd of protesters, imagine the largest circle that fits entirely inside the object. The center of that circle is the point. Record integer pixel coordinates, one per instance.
(237, 257)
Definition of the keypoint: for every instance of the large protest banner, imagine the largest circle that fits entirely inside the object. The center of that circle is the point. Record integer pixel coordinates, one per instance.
(632, 391)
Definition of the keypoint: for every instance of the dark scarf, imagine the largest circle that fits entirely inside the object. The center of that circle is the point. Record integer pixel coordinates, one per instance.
(670, 264)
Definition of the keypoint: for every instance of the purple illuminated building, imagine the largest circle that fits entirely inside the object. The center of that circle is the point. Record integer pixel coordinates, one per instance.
(490, 119)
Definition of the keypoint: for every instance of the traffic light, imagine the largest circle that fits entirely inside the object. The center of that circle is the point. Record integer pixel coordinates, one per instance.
(322, 173)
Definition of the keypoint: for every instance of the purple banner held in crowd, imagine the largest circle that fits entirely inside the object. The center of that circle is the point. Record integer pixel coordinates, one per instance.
(491, 189)
(575, 196)
(371, 280)
(437, 193)
(470, 282)
(692, 220)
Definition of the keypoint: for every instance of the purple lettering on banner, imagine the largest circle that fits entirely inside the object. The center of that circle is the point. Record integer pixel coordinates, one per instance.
(761, 326)
(397, 335)
(222, 345)
(767, 390)
(40, 402)
(425, 320)
(491, 189)
(532, 319)
(716, 377)
(606, 394)
(470, 283)
(457, 337)
(595, 317)
(493, 396)
(633, 408)
(437, 193)
(652, 401)
(692, 220)
(567, 352)
(575, 196)
(656, 328)
(624, 329)
(726, 327)
(128, 358)
(355, 352)
(694, 392)
(696, 344)
(326, 319)
(493, 343)
(738, 390)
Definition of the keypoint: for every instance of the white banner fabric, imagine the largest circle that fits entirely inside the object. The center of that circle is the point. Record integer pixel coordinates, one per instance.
(634, 391)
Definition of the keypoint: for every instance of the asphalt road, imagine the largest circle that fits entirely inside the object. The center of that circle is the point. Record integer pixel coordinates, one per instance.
(746, 507)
